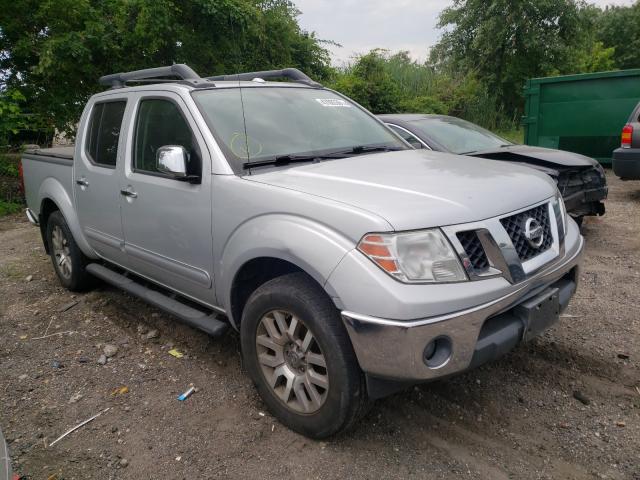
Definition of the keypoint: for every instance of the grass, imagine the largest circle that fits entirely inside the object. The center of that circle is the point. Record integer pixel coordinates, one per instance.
(11, 270)
(514, 135)
(7, 208)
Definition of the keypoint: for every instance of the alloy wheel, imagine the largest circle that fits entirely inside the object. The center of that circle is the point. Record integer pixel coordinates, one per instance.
(292, 362)
(61, 252)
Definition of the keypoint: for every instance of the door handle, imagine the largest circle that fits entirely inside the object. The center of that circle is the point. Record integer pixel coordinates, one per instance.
(129, 193)
(82, 182)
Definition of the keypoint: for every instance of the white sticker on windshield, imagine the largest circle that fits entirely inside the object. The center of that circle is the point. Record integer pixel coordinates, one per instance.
(333, 102)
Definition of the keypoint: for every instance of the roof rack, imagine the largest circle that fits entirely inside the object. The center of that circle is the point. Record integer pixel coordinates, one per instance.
(186, 74)
(292, 74)
(183, 72)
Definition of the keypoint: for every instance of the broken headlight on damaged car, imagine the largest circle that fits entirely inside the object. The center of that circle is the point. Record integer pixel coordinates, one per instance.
(423, 256)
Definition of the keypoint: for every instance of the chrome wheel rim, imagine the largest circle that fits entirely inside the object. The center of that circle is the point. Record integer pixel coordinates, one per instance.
(292, 362)
(61, 252)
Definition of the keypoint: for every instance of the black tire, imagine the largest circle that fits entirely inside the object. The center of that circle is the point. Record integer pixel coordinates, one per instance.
(78, 279)
(345, 399)
(579, 220)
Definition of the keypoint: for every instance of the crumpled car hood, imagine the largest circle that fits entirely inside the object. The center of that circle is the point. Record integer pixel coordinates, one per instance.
(546, 157)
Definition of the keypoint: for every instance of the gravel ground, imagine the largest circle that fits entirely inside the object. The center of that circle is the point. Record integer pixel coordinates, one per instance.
(566, 405)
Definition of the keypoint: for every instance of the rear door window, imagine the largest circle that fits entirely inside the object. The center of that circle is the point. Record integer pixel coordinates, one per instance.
(104, 132)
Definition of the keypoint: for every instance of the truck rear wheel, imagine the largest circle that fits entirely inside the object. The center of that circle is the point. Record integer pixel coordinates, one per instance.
(68, 260)
(298, 353)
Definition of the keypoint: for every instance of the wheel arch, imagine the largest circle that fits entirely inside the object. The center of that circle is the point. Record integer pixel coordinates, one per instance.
(259, 251)
(55, 197)
(251, 276)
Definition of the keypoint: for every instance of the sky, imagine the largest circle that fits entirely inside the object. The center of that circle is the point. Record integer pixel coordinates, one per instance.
(361, 25)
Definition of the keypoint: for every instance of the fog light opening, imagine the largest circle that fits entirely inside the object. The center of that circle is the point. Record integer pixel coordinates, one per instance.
(437, 352)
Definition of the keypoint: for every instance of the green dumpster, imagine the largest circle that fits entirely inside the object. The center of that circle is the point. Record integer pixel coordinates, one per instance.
(580, 113)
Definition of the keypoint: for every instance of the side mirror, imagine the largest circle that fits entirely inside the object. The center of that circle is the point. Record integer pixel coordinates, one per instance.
(172, 160)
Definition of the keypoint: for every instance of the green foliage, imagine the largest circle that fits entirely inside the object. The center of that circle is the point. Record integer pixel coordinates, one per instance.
(385, 83)
(11, 117)
(10, 192)
(502, 43)
(515, 135)
(8, 166)
(368, 82)
(506, 42)
(595, 58)
(54, 51)
(423, 104)
(619, 28)
(7, 208)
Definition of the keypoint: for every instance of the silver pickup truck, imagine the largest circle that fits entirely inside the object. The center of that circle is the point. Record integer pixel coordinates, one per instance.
(351, 264)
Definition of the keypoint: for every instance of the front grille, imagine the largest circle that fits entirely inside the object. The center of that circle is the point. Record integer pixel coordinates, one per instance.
(473, 248)
(515, 227)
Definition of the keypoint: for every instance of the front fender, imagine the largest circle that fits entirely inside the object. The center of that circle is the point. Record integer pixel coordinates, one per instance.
(311, 246)
(53, 190)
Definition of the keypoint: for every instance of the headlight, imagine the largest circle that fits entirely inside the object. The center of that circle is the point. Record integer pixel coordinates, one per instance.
(600, 169)
(414, 257)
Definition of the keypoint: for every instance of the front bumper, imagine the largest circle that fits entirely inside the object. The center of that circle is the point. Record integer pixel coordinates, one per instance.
(626, 163)
(587, 202)
(394, 349)
(583, 190)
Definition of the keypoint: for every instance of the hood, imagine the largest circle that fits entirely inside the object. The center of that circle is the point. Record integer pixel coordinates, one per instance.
(544, 157)
(414, 189)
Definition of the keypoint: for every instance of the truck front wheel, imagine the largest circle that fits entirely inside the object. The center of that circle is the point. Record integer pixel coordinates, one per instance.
(68, 260)
(298, 353)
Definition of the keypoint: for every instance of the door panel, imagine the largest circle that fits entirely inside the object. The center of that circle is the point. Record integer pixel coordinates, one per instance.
(97, 179)
(167, 222)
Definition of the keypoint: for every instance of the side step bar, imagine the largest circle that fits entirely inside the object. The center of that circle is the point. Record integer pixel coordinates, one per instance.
(206, 322)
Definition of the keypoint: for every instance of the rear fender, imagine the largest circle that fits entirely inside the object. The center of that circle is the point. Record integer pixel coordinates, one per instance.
(53, 190)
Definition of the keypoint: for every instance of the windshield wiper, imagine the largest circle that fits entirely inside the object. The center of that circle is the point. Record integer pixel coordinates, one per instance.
(370, 149)
(285, 160)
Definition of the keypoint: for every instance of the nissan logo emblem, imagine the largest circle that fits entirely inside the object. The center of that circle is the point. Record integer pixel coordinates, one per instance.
(533, 232)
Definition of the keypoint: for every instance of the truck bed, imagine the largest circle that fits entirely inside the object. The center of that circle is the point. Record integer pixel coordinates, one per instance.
(47, 168)
(56, 152)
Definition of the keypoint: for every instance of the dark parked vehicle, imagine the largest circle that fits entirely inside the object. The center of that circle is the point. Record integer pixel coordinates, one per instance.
(626, 159)
(580, 179)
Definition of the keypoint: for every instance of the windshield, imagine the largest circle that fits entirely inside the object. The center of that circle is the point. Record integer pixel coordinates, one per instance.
(279, 122)
(458, 136)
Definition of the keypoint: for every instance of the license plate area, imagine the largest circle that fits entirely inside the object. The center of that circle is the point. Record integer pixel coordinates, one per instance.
(539, 313)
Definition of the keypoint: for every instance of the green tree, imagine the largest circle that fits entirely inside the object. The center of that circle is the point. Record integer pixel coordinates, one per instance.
(54, 51)
(11, 117)
(619, 28)
(505, 42)
(368, 82)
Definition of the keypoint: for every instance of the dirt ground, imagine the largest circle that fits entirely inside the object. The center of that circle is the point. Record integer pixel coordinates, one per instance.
(515, 418)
